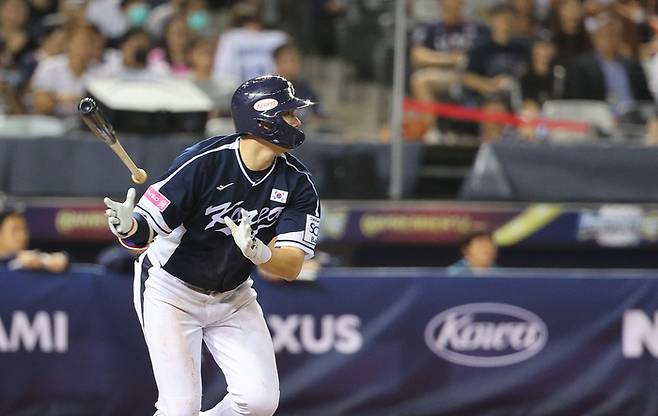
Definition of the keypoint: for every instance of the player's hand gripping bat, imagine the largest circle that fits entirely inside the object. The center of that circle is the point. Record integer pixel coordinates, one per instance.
(98, 124)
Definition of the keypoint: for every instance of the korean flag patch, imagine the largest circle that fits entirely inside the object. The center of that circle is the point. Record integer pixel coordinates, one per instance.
(279, 196)
(312, 230)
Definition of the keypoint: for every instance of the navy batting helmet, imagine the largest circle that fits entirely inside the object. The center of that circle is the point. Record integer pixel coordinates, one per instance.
(257, 105)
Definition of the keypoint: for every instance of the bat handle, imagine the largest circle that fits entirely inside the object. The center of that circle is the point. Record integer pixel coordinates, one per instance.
(139, 176)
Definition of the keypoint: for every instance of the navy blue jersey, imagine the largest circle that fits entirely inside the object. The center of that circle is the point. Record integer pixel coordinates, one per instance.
(186, 207)
(449, 38)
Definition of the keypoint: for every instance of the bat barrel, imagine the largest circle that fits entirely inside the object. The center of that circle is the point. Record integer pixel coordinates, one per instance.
(87, 106)
(94, 118)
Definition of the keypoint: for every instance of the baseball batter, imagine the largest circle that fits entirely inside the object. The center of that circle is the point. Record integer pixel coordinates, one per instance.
(225, 205)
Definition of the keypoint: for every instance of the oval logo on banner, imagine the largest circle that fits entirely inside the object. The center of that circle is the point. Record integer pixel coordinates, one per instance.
(265, 104)
(486, 334)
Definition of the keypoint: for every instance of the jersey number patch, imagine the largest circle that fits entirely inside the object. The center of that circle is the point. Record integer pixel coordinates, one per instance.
(312, 230)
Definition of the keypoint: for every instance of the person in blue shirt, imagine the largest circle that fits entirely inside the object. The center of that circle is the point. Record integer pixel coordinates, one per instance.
(226, 205)
(14, 241)
(479, 252)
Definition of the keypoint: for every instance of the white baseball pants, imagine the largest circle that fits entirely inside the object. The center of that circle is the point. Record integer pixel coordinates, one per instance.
(176, 319)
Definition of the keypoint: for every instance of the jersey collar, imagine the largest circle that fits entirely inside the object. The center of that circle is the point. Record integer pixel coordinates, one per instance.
(244, 169)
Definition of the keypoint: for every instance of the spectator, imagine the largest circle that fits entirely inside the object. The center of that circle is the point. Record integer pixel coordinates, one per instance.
(540, 82)
(14, 17)
(172, 57)
(479, 253)
(116, 17)
(492, 131)
(570, 36)
(58, 81)
(161, 14)
(605, 74)
(131, 62)
(494, 64)
(198, 17)
(288, 63)
(438, 50)
(245, 51)
(526, 24)
(51, 43)
(202, 53)
(14, 240)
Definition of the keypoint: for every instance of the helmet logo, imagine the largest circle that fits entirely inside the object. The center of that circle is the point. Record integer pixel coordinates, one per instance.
(265, 104)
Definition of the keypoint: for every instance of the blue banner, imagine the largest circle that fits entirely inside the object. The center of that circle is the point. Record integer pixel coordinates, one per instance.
(354, 342)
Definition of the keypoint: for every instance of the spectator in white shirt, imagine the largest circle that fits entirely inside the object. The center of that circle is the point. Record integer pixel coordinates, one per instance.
(245, 51)
(58, 81)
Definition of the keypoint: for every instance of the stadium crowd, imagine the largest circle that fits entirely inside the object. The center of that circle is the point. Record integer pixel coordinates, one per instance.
(495, 55)
(50, 49)
(524, 53)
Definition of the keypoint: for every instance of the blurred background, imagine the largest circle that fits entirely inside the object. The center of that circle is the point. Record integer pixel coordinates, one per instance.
(451, 140)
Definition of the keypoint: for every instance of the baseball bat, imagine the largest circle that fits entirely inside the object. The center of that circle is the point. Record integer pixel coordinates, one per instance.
(93, 117)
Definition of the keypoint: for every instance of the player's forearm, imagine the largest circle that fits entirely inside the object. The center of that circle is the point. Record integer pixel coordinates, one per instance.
(285, 263)
(141, 233)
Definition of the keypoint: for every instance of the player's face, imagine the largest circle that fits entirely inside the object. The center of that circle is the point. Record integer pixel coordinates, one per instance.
(291, 118)
(14, 235)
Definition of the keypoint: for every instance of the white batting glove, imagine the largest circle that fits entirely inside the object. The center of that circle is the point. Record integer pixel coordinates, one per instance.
(120, 215)
(252, 248)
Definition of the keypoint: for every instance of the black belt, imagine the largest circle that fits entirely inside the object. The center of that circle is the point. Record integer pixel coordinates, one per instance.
(198, 289)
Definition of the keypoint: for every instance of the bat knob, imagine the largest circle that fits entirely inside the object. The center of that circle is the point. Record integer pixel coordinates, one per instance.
(140, 176)
(87, 105)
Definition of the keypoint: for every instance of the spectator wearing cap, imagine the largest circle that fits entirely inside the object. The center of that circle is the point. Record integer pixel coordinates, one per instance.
(495, 64)
(542, 81)
(245, 51)
(605, 74)
(14, 240)
(479, 253)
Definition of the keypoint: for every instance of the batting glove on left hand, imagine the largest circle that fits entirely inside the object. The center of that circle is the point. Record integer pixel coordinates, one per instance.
(120, 215)
(252, 248)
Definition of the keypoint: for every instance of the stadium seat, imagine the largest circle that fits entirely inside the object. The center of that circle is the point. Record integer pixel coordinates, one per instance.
(596, 113)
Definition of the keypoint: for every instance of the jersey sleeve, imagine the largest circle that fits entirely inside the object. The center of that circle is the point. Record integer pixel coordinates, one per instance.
(168, 201)
(299, 224)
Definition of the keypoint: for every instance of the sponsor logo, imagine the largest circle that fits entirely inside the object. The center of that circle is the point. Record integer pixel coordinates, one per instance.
(222, 187)
(264, 218)
(156, 198)
(486, 334)
(265, 104)
(47, 331)
(639, 333)
(297, 334)
(312, 230)
(612, 225)
(70, 221)
(279, 196)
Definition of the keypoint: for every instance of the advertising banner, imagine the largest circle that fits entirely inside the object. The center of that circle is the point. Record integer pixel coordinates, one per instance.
(373, 342)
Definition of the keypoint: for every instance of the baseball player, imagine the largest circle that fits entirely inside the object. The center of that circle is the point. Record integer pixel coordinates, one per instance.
(225, 205)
